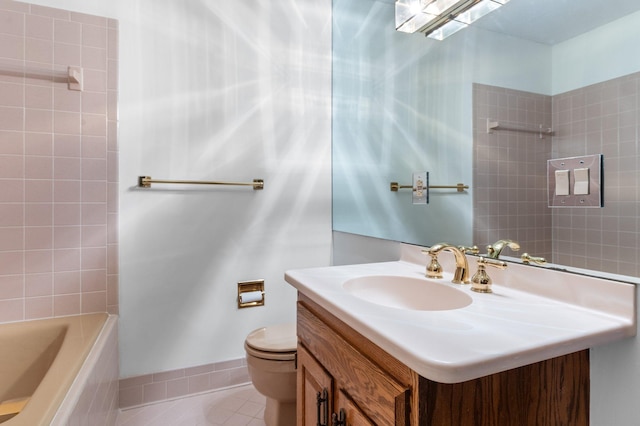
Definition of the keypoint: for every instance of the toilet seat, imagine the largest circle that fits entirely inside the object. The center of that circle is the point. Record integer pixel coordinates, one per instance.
(276, 342)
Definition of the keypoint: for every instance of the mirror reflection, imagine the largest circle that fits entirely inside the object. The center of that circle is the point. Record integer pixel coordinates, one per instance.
(403, 103)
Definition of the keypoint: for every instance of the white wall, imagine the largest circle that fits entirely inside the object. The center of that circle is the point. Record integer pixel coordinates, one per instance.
(217, 91)
(600, 55)
(605, 53)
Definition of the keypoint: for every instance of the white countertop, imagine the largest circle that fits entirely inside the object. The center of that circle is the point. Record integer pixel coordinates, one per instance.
(506, 329)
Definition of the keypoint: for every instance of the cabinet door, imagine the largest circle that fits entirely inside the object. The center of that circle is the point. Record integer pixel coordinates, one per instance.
(349, 413)
(315, 391)
(383, 399)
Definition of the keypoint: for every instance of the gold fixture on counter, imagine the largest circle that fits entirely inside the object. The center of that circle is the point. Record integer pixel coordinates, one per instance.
(461, 274)
(248, 291)
(469, 250)
(481, 281)
(394, 186)
(494, 250)
(146, 181)
(527, 258)
(434, 269)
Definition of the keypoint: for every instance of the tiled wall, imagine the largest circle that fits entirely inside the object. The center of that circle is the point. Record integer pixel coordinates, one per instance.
(510, 170)
(58, 164)
(150, 388)
(510, 173)
(603, 119)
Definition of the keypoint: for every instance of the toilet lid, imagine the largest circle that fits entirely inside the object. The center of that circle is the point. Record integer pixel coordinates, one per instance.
(274, 338)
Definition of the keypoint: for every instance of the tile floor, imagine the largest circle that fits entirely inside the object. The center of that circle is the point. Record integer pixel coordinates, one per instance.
(239, 406)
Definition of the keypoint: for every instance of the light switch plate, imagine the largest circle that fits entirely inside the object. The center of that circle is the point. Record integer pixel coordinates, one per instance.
(589, 194)
(420, 188)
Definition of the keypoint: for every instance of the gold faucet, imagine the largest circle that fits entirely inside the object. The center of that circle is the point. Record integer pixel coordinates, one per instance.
(434, 270)
(494, 250)
(527, 258)
(469, 250)
(481, 281)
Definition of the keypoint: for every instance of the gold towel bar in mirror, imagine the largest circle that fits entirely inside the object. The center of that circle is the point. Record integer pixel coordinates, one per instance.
(146, 181)
(459, 187)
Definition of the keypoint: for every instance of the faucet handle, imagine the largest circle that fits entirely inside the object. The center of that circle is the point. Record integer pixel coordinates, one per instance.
(434, 269)
(527, 258)
(481, 281)
(469, 250)
(461, 274)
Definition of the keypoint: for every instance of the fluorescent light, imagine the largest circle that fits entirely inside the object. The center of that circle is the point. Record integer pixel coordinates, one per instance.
(477, 11)
(436, 7)
(446, 30)
(441, 18)
(410, 17)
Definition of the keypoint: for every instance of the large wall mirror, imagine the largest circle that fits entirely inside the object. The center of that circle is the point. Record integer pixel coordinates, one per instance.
(403, 103)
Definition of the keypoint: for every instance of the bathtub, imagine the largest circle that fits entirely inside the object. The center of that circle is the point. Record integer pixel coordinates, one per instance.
(39, 362)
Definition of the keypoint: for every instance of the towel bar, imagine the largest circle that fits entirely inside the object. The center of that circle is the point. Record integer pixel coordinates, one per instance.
(146, 181)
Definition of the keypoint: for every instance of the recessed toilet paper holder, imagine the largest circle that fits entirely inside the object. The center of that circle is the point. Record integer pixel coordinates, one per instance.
(250, 294)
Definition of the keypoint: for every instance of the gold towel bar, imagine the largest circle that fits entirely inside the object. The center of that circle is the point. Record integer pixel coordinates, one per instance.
(459, 187)
(146, 181)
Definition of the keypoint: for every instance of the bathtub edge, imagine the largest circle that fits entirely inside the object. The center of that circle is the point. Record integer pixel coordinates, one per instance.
(77, 390)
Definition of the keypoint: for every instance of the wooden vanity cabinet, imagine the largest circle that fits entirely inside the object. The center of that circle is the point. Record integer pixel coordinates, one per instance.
(313, 389)
(317, 393)
(335, 377)
(342, 373)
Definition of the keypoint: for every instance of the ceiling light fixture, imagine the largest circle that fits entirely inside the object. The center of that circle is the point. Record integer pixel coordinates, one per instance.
(439, 19)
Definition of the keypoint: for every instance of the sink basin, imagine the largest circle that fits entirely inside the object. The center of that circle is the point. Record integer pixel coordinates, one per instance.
(407, 293)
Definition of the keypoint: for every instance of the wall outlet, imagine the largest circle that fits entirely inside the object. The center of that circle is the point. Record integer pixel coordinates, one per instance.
(420, 187)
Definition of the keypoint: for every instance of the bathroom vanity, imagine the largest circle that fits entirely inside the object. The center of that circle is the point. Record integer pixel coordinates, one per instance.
(517, 356)
(371, 387)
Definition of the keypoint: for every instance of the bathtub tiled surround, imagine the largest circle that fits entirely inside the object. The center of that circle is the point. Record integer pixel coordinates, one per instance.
(93, 397)
(169, 385)
(58, 163)
(511, 177)
(58, 185)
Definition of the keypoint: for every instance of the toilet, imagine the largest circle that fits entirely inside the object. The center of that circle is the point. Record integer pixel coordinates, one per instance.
(271, 360)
